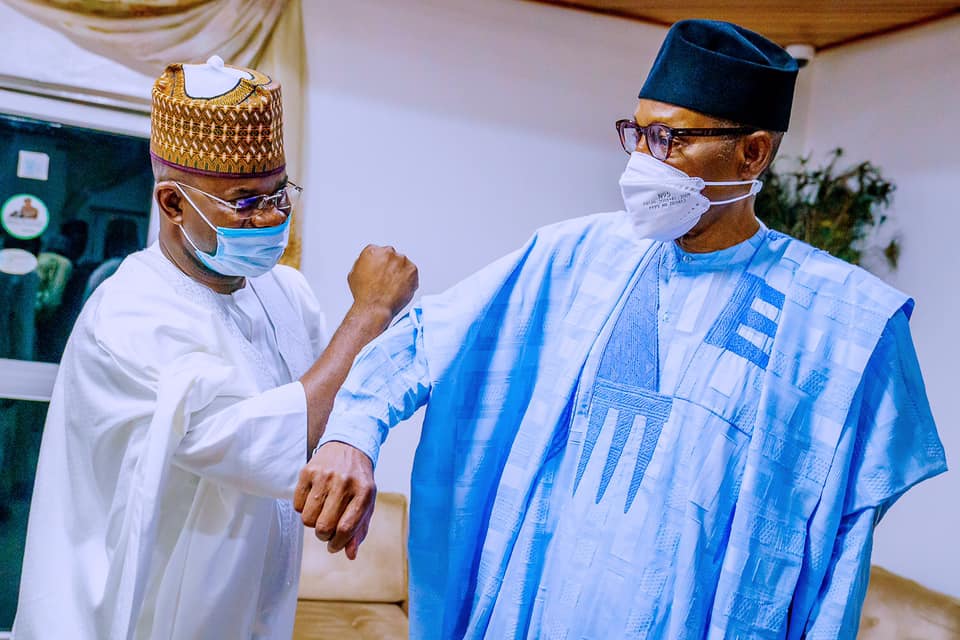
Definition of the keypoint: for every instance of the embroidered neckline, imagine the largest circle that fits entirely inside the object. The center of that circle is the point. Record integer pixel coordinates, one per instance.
(739, 254)
(196, 292)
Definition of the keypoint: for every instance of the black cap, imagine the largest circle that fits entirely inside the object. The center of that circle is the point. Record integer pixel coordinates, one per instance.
(725, 71)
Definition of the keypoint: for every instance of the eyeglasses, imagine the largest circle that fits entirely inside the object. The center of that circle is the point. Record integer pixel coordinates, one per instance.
(285, 199)
(660, 137)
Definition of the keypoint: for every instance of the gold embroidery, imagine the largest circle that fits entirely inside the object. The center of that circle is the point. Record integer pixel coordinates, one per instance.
(239, 132)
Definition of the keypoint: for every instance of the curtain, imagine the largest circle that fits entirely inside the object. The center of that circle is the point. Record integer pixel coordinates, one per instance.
(146, 35)
(285, 59)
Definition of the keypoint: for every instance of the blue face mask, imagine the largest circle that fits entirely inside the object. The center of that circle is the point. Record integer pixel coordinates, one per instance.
(246, 252)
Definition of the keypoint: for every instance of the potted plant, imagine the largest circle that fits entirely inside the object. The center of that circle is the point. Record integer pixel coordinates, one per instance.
(830, 208)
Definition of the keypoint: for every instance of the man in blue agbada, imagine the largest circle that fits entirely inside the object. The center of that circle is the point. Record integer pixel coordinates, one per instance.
(664, 422)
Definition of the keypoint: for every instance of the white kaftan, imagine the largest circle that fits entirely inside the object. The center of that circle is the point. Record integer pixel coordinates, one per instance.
(173, 441)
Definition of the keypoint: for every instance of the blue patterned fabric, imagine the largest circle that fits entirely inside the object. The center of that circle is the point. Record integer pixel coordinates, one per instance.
(624, 440)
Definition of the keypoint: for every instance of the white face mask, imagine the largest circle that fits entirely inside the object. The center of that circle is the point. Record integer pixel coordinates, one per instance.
(666, 203)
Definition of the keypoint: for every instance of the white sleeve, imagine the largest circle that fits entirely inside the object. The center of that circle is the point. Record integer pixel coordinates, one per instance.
(218, 426)
(257, 445)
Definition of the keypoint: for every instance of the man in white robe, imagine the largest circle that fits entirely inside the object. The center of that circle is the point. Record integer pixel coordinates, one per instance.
(194, 383)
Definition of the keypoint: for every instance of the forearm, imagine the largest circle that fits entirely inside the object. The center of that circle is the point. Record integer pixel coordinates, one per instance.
(322, 381)
(389, 381)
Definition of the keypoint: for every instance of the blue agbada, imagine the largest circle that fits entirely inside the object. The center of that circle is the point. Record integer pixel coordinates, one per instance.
(624, 440)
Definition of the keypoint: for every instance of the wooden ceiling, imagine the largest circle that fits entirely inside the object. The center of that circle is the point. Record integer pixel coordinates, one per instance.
(821, 23)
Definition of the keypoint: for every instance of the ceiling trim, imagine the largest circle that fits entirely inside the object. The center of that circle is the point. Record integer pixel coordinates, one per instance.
(891, 30)
(615, 13)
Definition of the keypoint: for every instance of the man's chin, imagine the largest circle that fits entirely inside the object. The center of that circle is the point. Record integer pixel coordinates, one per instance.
(696, 231)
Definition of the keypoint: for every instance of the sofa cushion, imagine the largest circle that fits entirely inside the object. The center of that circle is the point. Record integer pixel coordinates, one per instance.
(317, 620)
(897, 608)
(379, 574)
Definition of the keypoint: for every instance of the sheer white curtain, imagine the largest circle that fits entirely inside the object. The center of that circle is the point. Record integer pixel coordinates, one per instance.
(146, 35)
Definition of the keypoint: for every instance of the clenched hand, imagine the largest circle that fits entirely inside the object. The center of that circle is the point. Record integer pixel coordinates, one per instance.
(382, 280)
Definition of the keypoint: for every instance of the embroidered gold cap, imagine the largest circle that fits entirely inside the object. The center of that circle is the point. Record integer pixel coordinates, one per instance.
(216, 119)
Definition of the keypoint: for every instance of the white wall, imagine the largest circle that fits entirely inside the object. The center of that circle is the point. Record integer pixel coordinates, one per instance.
(895, 101)
(452, 129)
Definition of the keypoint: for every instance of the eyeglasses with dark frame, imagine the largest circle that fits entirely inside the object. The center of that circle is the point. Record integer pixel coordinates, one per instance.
(660, 137)
(283, 199)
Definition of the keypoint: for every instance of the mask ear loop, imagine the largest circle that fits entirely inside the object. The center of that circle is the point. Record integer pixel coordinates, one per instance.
(755, 187)
(203, 217)
(195, 207)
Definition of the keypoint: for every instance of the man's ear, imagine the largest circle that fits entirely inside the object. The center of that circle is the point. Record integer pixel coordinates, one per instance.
(170, 201)
(756, 154)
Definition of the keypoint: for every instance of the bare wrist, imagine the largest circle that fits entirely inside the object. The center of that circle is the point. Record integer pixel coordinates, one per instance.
(372, 316)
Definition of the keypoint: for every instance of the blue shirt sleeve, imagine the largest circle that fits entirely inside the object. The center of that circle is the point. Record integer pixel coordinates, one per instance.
(836, 612)
(893, 445)
(896, 444)
(389, 381)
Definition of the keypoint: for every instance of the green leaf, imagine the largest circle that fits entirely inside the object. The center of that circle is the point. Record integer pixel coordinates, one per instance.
(831, 208)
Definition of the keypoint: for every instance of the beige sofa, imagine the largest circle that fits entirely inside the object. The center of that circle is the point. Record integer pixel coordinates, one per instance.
(900, 609)
(365, 599)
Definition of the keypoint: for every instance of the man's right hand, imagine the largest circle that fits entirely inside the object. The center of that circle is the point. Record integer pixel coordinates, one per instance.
(335, 495)
(382, 280)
